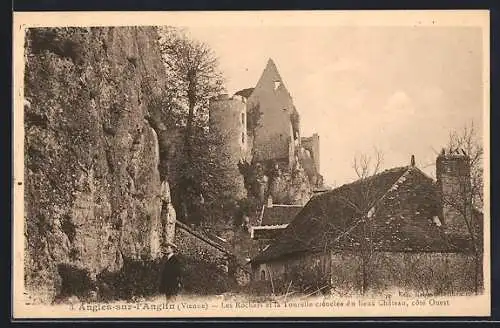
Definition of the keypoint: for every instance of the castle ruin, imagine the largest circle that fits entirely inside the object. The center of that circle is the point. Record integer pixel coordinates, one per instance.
(261, 125)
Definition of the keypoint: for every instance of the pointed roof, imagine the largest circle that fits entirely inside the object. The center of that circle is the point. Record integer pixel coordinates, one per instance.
(270, 73)
(272, 69)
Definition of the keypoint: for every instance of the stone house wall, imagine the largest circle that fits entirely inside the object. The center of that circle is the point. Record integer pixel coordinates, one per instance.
(420, 273)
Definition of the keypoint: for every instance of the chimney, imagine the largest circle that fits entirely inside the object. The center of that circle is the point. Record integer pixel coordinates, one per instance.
(454, 185)
(412, 160)
(269, 201)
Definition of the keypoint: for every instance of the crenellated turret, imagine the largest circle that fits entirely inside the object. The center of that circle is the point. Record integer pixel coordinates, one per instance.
(227, 121)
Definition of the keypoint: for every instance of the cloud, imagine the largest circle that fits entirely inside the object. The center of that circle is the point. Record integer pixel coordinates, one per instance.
(399, 103)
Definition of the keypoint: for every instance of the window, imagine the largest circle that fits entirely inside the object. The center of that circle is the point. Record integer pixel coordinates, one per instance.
(243, 118)
(243, 137)
(276, 85)
(263, 275)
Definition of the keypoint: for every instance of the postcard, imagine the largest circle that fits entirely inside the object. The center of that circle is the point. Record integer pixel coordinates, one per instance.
(251, 164)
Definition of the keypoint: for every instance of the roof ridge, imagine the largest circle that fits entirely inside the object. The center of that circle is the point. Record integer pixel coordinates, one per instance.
(394, 186)
(361, 180)
(270, 226)
(367, 214)
(424, 174)
(285, 205)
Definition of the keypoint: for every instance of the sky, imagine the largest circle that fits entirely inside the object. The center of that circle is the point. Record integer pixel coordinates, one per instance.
(401, 90)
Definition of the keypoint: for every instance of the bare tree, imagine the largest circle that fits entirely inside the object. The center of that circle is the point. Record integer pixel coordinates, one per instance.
(467, 199)
(365, 167)
(468, 143)
(359, 197)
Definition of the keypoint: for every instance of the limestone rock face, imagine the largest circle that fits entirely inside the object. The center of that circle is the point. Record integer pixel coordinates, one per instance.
(290, 187)
(93, 190)
(168, 215)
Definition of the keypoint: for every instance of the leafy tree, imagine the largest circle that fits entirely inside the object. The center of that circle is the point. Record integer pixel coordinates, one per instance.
(194, 75)
(194, 71)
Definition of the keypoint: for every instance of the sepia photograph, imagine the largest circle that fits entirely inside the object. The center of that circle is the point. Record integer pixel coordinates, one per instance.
(251, 164)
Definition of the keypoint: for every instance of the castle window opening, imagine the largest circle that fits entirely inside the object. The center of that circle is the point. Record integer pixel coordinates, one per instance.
(276, 85)
(243, 118)
(242, 137)
(263, 275)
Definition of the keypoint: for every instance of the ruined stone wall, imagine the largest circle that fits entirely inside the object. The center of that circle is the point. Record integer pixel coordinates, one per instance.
(312, 144)
(92, 187)
(192, 246)
(453, 174)
(274, 135)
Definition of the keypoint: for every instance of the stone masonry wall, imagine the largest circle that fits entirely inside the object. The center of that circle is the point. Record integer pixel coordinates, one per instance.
(410, 273)
(196, 248)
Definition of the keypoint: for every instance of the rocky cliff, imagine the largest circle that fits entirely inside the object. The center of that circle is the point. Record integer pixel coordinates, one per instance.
(290, 186)
(91, 154)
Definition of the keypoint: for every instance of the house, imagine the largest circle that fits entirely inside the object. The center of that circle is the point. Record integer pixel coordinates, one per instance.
(390, 230)
(273, 220)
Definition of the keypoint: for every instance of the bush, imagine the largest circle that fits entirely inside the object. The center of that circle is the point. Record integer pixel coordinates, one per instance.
(202, 278)
(137, 278)
(74, 281)
(140, 278)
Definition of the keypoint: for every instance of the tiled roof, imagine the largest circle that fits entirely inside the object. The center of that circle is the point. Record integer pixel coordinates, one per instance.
(280, 214)
(397, 207)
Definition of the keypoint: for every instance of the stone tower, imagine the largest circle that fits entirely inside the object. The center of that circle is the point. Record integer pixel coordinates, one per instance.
(453, 175)
(312, 145)
(274, 139)
(227, 121)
